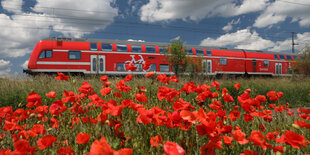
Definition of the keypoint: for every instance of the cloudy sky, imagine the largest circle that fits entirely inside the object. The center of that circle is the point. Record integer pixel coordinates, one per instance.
(245, 24)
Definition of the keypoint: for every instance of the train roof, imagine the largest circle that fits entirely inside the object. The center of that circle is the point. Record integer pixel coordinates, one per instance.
(159, 44)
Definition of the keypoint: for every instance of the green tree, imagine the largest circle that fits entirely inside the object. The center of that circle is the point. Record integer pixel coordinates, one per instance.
(303, 64)
(177, 56)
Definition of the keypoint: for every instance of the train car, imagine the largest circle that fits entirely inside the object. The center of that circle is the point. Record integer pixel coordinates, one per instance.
(96, 56)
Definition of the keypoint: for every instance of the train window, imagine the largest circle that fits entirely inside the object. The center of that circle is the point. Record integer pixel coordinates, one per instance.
(93, 46)
(189, 51)
(289, 58)
(75, 55)
(139, 67)
(276, 57)
(120, 67)
(94, 64)
(163, 50)
(200, 52)
(164, 68)
(106, 47)
(101, 64)
(266, 63)
(150, 49)
(282, 57)
(209, 53)
(46, 54)
(122, 48)
(152, 68)
(135, 48)
(223, 61)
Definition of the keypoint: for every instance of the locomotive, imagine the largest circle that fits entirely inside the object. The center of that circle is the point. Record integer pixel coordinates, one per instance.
(109, 57)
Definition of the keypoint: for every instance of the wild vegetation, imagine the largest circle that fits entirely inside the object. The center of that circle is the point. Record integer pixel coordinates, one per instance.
(155, 114)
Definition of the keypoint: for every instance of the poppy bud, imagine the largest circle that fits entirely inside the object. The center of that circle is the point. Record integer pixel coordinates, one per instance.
(296, 126)
(74, 81)
(32, 115)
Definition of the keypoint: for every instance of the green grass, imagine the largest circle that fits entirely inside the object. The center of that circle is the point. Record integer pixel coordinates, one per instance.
(15, 90)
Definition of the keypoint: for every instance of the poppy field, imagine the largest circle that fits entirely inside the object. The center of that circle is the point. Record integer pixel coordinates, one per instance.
(157, 117)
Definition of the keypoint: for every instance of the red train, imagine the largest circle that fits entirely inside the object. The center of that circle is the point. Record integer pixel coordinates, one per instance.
(92, 56)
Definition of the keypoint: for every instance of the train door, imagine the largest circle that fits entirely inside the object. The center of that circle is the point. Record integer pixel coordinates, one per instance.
(278, 68)
(207, 66)
(254, 65)
(97, 64)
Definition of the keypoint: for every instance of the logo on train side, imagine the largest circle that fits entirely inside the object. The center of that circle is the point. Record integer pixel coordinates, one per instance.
(138, 63)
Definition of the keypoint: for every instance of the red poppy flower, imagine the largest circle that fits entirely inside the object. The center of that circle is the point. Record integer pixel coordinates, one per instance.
(46, 141)
(117, 95)
(249, 152)
(5, 152)
(82, 138)
(22, 146)
(239, 137)
(248, 117)
(128, 77)
(33, 99)
(272, 135)
(293, 139)
(228, 140)
(38, 129)
(130, 67)
(171, 148)
(61, 76)
(302, 124)
(258, 139)
(102, 147)
(105, 91)
(155, 141)
(9, 126)
(65, 151)
(104, 78)
(86, 88)
(146, 65)
(149, 74)
(51, 94)
(163, 78)
(234, 115)
(237, 86)
(57, 108)
(174, 78)
(141, 97)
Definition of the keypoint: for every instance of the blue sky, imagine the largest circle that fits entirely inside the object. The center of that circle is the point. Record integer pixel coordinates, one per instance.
(245, 24)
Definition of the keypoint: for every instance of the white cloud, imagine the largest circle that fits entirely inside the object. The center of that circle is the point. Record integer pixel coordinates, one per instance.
(279, 11)
(301, 38)
(23, 30)
(25, 64)
(79, 17)
(163, 10)
(5, 67)
(176, 38)
(229, 26)
(242, 39)
(136, 40)
(14, 6)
